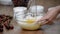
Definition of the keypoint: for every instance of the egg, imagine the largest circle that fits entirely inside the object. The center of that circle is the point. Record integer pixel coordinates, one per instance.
(29, 26)
(30, 21)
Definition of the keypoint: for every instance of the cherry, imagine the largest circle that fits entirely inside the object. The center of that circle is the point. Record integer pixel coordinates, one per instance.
(7, 27)
(1, 29)
(11, 27)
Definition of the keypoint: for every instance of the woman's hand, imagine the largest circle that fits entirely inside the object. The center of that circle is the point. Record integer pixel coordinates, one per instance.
(50, 16)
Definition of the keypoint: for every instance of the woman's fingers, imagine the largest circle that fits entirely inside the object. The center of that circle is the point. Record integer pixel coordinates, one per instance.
(45, 20)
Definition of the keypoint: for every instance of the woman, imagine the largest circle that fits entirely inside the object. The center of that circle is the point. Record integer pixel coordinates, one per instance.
(50, 16)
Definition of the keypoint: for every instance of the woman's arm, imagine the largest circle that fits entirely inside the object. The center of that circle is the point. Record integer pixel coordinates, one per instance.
(50, 16)
(52, 13)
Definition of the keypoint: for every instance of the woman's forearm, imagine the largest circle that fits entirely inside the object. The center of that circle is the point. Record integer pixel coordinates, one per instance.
(52, 14)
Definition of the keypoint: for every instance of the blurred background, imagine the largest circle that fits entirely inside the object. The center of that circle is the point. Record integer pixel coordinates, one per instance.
(48, 3)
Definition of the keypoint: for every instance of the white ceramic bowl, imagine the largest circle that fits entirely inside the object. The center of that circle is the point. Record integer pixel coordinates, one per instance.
(19, 12)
